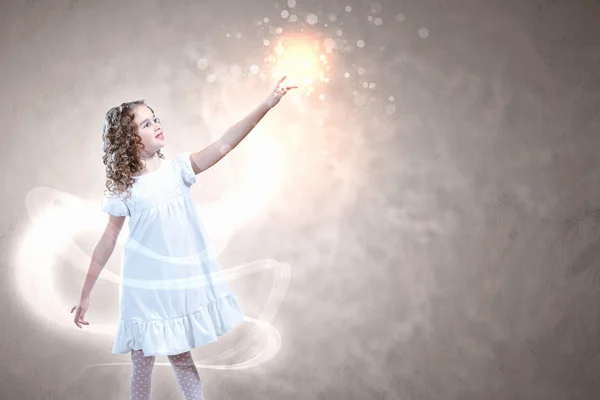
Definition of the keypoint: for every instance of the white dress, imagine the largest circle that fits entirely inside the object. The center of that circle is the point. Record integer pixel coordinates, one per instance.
(172, 297)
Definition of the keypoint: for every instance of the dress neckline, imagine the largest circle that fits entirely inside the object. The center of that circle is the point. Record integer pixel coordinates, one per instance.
(150, 173)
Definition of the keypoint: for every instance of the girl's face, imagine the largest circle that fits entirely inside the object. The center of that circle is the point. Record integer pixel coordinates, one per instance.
(149, 129)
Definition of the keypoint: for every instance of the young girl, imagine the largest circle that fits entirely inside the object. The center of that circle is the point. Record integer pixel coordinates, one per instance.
(164, 308)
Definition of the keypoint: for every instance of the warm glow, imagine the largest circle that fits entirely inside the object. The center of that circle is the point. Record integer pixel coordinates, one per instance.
(301, 59)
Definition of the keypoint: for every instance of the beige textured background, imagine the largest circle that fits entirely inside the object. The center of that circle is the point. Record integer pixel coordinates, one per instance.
(445, 248)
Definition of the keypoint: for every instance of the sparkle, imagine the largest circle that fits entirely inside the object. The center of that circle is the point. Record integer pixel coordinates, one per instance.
(312, 19)
(329, 43)
(202, 64)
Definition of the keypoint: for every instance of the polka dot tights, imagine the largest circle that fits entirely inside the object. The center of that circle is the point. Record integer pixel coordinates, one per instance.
(187, 376)
(183, 365)
(141, 375)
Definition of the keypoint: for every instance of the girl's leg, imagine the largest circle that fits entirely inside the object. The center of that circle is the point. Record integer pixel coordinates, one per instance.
(187, 376)
(141, 375)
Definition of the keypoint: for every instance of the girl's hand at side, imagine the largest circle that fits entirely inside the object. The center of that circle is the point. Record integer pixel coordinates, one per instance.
(81, 308)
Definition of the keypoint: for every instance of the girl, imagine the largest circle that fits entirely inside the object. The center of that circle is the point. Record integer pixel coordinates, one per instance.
(163, 308)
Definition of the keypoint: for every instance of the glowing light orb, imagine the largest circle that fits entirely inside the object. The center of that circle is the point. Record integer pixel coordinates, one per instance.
(302, 59)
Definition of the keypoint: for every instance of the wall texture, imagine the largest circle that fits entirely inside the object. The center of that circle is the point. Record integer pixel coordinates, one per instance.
(439, 206)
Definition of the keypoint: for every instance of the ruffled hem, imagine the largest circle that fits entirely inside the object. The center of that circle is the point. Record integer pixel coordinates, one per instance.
(178, 335)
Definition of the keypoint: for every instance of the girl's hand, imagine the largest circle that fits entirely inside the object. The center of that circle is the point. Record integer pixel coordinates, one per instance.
(279, 91)
(82, 307)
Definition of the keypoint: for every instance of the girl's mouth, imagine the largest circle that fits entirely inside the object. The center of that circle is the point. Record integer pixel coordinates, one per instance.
(160, 136)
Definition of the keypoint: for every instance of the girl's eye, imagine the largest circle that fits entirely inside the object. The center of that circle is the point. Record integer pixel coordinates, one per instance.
(155, 120)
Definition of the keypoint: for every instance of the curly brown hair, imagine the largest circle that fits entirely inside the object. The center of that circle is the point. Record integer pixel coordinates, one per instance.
(122, 146)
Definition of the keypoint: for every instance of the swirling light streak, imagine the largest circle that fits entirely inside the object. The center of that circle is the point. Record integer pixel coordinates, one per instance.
(51, 237)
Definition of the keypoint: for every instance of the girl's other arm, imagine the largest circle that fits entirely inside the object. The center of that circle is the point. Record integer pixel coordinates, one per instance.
(102, 252)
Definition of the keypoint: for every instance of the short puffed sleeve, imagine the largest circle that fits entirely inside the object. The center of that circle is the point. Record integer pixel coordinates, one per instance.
(113, 205)
(184, 166)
